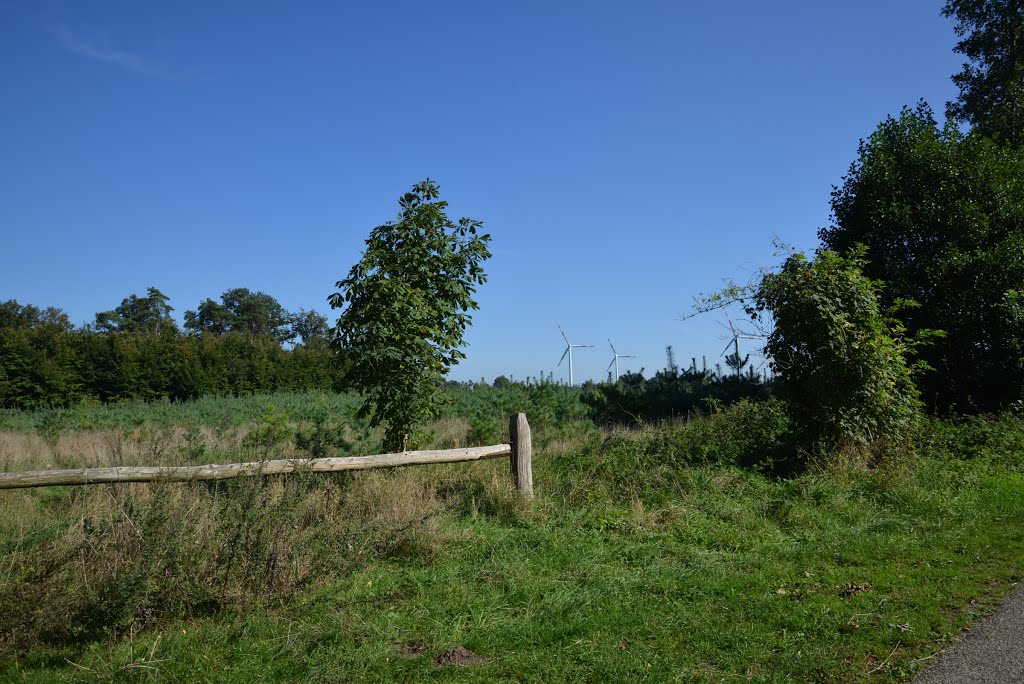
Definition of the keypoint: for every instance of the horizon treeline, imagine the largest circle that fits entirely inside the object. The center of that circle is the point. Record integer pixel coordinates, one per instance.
(247, 343)
(138, 351)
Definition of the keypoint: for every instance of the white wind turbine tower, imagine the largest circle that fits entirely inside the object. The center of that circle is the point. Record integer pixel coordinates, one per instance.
(615, 359)
(735, 342)
(568, 351)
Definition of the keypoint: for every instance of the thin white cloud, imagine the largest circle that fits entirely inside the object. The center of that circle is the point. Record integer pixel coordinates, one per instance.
(119, 58)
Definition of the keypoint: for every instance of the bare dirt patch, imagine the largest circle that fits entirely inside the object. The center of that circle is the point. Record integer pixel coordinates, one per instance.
(409, 649)
(459, 657)
(854, 588)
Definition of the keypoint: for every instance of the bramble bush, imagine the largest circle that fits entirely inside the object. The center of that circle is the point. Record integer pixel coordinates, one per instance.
(841, 361)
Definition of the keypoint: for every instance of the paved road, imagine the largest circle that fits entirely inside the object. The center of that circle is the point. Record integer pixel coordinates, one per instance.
(991, 653)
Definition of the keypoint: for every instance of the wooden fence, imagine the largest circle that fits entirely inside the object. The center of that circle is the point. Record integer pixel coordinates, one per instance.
(520, 452)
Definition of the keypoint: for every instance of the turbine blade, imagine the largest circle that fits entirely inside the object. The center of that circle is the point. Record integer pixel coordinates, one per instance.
(583, 345)
(729, 344)
(612, 346)
(623, 356)
(563, 334)
(610, 366)
(563, 357)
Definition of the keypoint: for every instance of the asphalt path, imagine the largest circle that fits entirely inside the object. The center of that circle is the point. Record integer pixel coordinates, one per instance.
(992, 652)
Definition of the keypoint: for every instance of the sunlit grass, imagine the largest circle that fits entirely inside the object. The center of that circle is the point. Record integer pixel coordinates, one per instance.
(645, 557)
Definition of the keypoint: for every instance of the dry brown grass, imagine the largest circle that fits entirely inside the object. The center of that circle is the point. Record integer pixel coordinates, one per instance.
(114, 558)
(101, 448)
(169, 446)
(449, 433)
(111, 559)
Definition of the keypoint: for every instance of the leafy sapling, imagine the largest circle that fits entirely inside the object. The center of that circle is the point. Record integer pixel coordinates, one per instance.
(405, 308)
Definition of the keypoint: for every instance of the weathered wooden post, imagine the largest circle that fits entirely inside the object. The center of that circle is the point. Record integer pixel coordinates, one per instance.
(522, 454)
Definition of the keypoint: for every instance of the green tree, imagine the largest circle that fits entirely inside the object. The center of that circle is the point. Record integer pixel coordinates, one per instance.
(209, 317)
(405, 310)
(737, 362)
(16, 316)
(257, 313)
(942, 216)
(840, 362)
(992, 81)
(39, 365)
(243, 311)
(310, 326)
(151, 313)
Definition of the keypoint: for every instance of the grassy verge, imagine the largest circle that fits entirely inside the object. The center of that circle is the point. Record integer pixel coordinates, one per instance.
(647, 556)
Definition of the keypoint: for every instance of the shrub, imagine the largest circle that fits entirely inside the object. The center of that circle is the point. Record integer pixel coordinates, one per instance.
(841, 362)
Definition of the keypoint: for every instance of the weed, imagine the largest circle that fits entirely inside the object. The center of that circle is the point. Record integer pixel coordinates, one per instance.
(684, 550)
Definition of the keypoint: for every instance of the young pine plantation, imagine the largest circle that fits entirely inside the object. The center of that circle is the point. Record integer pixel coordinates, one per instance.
(669, 551)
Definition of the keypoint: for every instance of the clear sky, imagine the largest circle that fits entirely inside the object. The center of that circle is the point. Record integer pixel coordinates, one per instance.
(624, 156)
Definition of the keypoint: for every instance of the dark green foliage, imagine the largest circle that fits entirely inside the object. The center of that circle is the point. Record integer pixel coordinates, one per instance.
(44, 366)
(311, 327)
(992, 81)
(39, 366)
(269, 436)
(405, 309)
(550, 408)
(218, 413)
(484, 430)
(754, 435)
(242, 311)
(942, 216)
(209, 317)
(671, 393)
(840, 363)
(328, 431)
(257, 313)
(137, 352)
(14, 315)
(38, 360)
(149, 314)
(996, 440)
(737, 362)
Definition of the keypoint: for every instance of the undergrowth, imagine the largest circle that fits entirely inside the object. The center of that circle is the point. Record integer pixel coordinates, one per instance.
(683, 551)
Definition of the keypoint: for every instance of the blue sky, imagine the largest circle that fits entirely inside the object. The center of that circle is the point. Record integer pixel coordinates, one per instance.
(624, 156)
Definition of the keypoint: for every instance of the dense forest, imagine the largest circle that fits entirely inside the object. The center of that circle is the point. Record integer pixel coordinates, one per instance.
(245, 343)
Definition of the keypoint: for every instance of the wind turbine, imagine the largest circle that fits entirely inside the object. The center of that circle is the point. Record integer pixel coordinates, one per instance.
(568, 351)
(735, 342)
(615, 359)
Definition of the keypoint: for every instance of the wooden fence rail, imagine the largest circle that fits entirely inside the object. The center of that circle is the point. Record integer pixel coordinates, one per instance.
(519, 451)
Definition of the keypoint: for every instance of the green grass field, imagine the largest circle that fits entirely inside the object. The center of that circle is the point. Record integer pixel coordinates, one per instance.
(648, 555)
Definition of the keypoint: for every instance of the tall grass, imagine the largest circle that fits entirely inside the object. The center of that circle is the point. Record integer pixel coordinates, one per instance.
(106, 561)
(680, 551)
